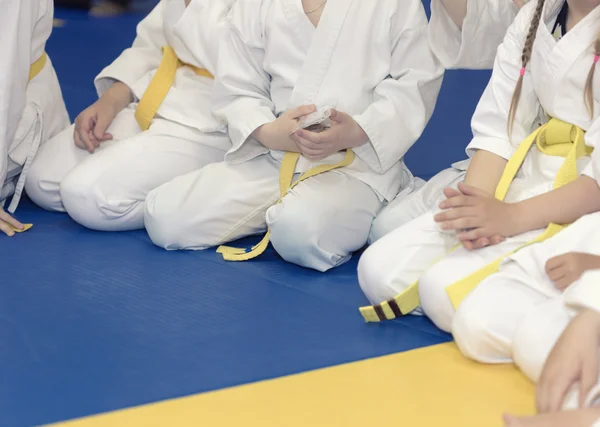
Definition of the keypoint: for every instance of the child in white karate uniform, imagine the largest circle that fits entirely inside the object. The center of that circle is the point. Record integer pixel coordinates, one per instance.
(370, 64)
(31, 104)
(462, 34)
(534, 48)
(152, 122)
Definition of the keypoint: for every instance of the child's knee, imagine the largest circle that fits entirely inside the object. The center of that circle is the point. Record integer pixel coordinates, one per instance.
(471, 328)
(97, 204)
(298, 236)
(168, 225)
(41, 190)
(434, 299)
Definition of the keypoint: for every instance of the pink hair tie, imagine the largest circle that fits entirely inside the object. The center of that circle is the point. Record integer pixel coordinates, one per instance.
(596, 58)
(523, 71)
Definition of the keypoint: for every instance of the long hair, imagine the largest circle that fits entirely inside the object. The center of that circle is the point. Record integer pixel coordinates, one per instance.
(525, 58)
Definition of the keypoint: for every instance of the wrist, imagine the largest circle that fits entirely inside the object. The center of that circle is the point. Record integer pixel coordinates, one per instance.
(118, 96)
(261, 134)
(518, 218)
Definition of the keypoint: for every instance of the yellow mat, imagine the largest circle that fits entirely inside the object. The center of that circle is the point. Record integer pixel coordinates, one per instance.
(429, 387)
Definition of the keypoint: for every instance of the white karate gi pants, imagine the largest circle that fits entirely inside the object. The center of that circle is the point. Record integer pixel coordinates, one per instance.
(106, 190)
(406, 207)
(318, 224)
(517, 314)
(410, 252)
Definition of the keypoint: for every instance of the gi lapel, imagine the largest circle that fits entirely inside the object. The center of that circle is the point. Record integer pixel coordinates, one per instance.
(319, 53)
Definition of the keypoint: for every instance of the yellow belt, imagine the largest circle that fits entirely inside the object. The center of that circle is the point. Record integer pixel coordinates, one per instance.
(159, 86)
(556, 138)
(35, 69)
(286, 175)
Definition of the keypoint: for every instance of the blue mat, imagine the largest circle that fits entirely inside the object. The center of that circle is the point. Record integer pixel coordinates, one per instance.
(92, 322)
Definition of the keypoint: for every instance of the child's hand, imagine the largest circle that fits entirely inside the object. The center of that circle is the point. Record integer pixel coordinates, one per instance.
(344, 133)
(567, 268)
(91, 124)
(7, 222)
(520, 3)
(481, 242)
(478, 217)
(574, 359)
(277, 135)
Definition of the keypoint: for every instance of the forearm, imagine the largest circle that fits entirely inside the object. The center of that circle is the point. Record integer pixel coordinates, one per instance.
(561, 206)
(278, 144)
(118, 95)
(456, 10)
(485, 171)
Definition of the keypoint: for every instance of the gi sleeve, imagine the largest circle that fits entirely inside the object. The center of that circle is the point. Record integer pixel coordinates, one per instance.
(403, 103)
(142, 57)
(241, 96)
(475, 45)
(490, 120)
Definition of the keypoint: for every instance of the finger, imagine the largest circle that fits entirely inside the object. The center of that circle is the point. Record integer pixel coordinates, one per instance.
(303, 110)
(5, 228)
(457, 201)
(5, 217)
(107, 137)
(93, 140)
(462, 225)
(78, 142)
(468, 245)
(554, 262)
(102, 123)
(338, 117)
(473, 234)
(468, 190)
(317, 138)
(455, 213)
(451, 192)
(564, 282)
(557, 392)
(84, 132)
(497, 239)
(481, 243)
(557, 274)
(305, 143)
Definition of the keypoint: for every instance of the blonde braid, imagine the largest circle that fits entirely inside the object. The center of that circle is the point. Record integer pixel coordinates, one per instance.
(525, 58)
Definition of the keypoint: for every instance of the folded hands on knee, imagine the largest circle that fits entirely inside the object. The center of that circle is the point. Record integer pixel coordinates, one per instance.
(478, 218)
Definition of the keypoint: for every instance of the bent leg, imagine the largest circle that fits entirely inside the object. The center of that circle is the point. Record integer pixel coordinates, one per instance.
(107, 190)
(220, 203)
(322, 220)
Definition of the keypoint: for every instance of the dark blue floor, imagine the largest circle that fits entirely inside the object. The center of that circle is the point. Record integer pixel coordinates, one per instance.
(92, 322)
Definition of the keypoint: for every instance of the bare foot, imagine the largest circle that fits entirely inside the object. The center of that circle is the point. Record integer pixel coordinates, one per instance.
(107, 9)
(579, 418)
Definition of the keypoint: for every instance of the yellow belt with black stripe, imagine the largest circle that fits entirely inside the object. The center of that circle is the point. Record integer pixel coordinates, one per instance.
(159, 86)
(556, 138)
(286, 176)
(35, 69)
